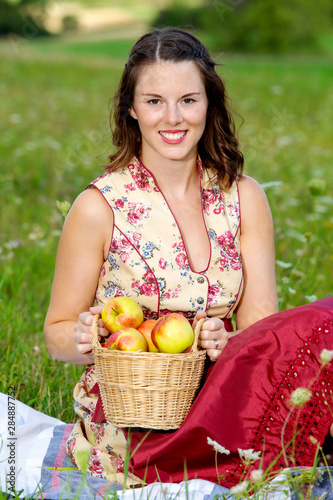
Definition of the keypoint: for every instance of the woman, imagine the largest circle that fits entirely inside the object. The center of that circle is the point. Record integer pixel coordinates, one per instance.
(175, 225)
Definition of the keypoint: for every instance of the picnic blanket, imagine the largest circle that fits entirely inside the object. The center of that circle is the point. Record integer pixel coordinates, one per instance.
(33, 459)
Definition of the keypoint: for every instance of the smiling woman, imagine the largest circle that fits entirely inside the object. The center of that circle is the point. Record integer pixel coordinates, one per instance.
(174, 107)
(186, 76)
(174, 224)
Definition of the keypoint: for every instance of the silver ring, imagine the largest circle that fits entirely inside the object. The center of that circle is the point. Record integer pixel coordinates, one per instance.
(217, 345)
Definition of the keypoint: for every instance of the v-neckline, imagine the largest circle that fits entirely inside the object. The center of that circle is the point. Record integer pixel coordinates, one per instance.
(156, 188)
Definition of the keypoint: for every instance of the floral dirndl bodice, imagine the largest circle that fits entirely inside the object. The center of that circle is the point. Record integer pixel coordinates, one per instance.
(147, 257)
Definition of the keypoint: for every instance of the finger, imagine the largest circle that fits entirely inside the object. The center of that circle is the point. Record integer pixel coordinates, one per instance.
(84, 348)
(213, 324)
(215, 343)
(221, 336)
(96, 309)
(103, 332)
(101, 325)
(86, 318)
(213, 354)
(199, 315)
(82, 328)
(82, 338)
(205, 344)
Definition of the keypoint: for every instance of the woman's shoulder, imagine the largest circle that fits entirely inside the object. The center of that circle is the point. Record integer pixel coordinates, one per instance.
(249, 187)
(254, 206)
(90, 207)
(250, 191)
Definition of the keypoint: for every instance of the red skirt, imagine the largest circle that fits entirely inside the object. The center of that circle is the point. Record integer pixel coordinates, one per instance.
(245, 404)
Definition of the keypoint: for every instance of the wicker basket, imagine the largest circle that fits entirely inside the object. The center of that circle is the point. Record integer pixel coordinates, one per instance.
(146, 389)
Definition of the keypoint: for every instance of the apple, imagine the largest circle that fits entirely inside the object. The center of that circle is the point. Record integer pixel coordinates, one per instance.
(121, 312)
(172, 333)
(146, 328)
(127, 339)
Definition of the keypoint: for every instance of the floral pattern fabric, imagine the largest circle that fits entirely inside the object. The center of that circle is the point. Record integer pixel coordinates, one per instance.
(155, 271)
(98, 448)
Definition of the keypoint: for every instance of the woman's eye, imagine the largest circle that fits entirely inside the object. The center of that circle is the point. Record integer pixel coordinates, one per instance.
(188, 100)
(154, 101)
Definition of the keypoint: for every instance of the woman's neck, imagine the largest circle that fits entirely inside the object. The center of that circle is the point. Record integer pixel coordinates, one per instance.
(176, 177)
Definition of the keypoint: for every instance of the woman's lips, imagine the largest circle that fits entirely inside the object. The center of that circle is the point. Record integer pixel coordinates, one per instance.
(173, 137)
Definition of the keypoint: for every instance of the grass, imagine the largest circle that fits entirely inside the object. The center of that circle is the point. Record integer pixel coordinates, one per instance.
(55, 137)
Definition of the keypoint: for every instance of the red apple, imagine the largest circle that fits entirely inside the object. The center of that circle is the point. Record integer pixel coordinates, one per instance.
(120, 312)
(146, 328)
(127, 339)
(172, 333)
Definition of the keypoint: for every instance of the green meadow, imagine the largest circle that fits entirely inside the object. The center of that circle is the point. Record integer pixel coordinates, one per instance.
(55, 138)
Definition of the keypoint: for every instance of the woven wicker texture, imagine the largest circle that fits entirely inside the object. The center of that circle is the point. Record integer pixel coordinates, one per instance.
(146, 389)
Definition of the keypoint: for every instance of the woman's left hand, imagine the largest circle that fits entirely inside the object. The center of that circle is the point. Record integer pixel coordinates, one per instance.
(213, 336)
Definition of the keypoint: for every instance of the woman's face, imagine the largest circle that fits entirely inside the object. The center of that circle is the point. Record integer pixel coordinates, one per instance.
(170, 104)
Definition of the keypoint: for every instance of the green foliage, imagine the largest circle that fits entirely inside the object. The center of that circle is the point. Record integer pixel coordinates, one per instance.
(265, 26)
(19, 19)
(179, 16)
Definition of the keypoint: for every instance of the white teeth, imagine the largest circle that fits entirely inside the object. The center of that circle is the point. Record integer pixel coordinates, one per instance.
(173, 137)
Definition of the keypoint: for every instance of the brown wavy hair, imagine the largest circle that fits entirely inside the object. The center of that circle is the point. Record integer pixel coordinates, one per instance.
(218, 146)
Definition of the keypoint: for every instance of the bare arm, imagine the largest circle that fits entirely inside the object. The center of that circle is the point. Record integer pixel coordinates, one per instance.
(259, 298)
(82, 249)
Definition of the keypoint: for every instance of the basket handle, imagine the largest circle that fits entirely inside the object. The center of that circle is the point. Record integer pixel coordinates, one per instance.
(197, 329)
(95, 342)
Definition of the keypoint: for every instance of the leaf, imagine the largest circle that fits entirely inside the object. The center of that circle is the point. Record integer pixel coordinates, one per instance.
(63, 207)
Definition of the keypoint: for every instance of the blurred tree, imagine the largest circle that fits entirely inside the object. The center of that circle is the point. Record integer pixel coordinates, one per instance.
(179, 17)
(70, 23)
(25, 18)
(269, 26)
(179, 14)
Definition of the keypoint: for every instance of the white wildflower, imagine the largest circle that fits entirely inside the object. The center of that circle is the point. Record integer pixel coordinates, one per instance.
(13, 244)
(326, 356)
(239, 488)
(311, 298)
(256, 475)
(284, 265)
(249, 456)
(218, 447)
(300, 396)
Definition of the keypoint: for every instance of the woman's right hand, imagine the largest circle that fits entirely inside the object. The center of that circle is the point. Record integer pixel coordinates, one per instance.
(83, 330)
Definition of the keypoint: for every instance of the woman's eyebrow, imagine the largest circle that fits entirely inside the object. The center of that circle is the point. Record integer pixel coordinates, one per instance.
(185, 95)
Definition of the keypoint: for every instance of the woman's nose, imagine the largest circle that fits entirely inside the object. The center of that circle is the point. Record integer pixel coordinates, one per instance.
(172, 114)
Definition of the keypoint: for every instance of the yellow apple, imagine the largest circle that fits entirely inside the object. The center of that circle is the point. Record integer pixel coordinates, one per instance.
(146, 328)
(127, 339)
(121, 312)
(172, 333)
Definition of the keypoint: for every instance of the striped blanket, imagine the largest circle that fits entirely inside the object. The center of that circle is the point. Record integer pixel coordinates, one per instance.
(61, 483)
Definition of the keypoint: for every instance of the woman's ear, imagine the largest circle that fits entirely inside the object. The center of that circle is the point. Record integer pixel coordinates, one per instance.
(132, 113)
